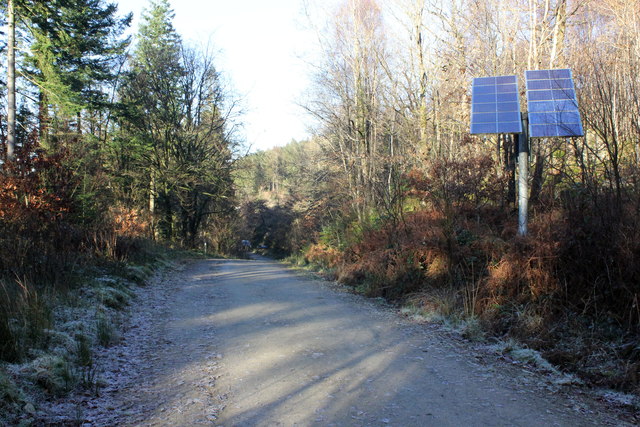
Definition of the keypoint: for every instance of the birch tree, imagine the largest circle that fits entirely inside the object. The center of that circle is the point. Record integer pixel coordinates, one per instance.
(348, 98)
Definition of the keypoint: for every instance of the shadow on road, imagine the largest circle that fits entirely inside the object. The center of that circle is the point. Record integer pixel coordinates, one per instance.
(296, 352)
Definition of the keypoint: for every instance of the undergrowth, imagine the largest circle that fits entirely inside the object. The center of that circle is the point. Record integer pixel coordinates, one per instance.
(49, 334)
(569, 290)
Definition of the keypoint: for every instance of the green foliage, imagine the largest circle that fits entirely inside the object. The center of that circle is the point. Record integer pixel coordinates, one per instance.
(113, 297)
(9, 393)
(76, 200)
(74, 46)
(288, 192)
(138, 274)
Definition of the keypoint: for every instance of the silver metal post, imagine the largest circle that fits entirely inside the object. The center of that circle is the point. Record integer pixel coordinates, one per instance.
(523, 179)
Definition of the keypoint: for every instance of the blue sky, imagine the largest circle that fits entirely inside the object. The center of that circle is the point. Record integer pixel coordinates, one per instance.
(260, 45)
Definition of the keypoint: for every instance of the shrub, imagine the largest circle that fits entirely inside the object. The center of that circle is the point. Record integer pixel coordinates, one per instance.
(322, 255)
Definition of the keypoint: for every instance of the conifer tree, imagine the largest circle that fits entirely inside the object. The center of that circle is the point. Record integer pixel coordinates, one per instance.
(71, 48)
(152, 95)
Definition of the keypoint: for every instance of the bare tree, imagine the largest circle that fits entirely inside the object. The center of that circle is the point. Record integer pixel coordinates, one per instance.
(348, 98)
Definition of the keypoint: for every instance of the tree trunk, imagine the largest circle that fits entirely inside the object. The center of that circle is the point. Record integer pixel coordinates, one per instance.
(557, 58)
(510, 167)
(11, 82)
(43, 121)
(538, 176)
(152, 205)
(79, 124)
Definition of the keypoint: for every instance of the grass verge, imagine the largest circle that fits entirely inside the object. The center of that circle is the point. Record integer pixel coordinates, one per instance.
(49, 336)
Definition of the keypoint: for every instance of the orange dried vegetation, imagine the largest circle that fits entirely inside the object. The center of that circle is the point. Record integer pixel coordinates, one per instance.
(129, 222)
(323, 255)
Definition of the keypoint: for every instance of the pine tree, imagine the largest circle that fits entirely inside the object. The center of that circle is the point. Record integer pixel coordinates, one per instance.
(74, 45)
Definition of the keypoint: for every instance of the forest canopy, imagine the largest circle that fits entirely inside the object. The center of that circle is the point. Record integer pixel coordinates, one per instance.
(143, 127)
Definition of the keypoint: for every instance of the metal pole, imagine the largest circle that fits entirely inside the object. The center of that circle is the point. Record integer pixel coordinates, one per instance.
(523, 179)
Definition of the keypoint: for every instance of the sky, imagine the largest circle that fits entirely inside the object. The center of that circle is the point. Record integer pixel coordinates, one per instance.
(260, 45)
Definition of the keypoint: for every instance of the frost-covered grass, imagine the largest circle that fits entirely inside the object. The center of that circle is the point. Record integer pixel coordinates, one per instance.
(621, 399)
(420, 315)
(54, 339)
(12, 399)
(517, 352)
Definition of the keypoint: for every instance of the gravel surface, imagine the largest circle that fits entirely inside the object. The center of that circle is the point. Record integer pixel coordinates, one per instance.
(252, 343)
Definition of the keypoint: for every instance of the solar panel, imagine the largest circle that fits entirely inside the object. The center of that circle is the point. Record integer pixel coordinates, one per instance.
(553, 107)
(495, 107)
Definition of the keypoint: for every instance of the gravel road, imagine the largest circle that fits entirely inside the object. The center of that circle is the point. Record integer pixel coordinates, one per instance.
(252, 343)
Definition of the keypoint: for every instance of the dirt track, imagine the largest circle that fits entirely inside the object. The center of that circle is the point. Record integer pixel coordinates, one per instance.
(249, 342)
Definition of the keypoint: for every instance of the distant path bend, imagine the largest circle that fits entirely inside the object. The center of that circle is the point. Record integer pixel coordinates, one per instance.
(252, 343)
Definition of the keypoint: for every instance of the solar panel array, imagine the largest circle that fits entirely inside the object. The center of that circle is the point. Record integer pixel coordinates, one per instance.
(495, 107)
(553, 107)
(551, 98)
